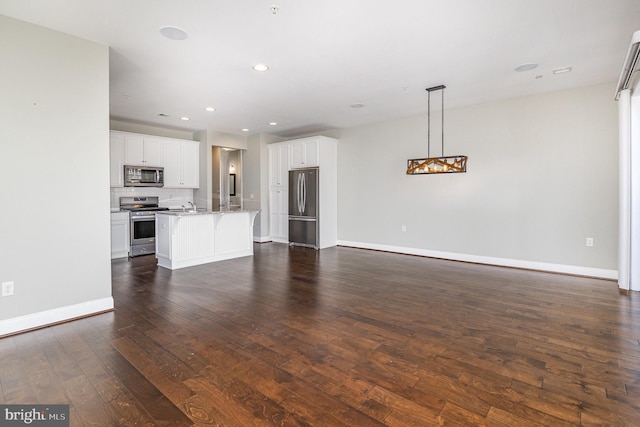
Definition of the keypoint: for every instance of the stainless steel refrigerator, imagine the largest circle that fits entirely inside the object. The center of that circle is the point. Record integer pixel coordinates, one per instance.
(303, 207)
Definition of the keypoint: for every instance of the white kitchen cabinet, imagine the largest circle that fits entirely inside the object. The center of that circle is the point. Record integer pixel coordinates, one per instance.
(120, 242)
(181, 165)
(279, 214)
(278, 165)
(317, 151)
(180, 158)
(153, 151)
(278, 192)
(142, 150)
(116, 159)
(304, 153)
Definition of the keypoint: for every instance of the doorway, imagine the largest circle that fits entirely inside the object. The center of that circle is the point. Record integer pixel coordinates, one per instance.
(226, 178)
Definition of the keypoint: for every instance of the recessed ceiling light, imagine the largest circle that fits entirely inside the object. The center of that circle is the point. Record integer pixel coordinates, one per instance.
(273, 124)
(185, 118)
(260, 67)
(210, 109)
(525, 67)
(356, 105)
(245, 130)
(562, 70)
(173, 33)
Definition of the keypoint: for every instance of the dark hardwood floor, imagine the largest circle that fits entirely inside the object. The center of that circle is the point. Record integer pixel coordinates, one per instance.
(339, 337)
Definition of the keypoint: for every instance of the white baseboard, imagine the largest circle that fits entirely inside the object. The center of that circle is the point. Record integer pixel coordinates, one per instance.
(279, 240)
(504, 262)
(261, 239)
(57, 315)
(117, 255)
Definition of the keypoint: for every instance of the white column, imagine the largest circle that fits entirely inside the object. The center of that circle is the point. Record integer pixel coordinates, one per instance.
(624, 221)
(634, 188)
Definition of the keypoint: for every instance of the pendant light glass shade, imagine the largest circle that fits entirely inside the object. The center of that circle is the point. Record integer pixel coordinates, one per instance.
(443, 164)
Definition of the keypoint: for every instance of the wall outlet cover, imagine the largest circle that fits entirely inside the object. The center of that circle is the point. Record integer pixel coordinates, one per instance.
(7, 289)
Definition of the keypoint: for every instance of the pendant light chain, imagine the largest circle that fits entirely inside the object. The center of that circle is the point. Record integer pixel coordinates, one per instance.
(428, 124)
(429, 121)
(442, 112)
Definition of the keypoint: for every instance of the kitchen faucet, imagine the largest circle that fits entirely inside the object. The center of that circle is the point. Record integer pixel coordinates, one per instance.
(193, 206)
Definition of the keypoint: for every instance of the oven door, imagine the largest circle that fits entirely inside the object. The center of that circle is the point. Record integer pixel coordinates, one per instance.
(143, 229)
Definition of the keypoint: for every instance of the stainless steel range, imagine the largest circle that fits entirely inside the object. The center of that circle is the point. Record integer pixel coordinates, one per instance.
(142, 214)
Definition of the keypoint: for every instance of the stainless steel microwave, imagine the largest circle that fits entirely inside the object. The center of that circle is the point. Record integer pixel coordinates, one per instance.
(143, 176)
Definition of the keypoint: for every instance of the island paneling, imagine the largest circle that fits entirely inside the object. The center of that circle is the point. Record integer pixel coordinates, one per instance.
(185, 239)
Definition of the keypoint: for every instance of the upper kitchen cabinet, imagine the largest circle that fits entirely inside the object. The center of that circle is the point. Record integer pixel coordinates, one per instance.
(116, 159)
(142, 150)
(304, 153)
(278, 165)
(180, 158)
(181, 167)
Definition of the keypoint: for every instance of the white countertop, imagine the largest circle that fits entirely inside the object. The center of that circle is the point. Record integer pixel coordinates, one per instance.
(180, 212)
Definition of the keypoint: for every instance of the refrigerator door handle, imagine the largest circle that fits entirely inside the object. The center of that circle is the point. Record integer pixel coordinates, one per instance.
(304, 193)
(299, 194)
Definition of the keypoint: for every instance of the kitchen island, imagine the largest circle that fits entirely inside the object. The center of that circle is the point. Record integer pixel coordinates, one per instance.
(188, 238)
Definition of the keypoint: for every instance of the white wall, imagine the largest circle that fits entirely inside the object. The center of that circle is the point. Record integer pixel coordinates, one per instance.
(202, 194)
(54, 145)
(542, 177)
(152, 130)
(229, 140)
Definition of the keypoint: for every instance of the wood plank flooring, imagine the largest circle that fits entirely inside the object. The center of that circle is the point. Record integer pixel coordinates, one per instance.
(338, 337)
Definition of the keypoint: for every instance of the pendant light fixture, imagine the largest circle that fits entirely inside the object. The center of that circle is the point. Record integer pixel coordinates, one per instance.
(443, 164)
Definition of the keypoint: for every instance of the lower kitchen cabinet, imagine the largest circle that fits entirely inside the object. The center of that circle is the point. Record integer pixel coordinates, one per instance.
(279, 214)
(120, 241)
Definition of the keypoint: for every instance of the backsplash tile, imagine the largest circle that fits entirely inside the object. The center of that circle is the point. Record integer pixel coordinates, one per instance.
(169, 197)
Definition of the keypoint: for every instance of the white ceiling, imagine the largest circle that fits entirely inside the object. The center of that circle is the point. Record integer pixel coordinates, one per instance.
(325, 55)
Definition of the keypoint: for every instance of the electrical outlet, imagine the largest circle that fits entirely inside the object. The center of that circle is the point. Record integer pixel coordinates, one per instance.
(7, 288)
(404, 228)
(589, 241)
